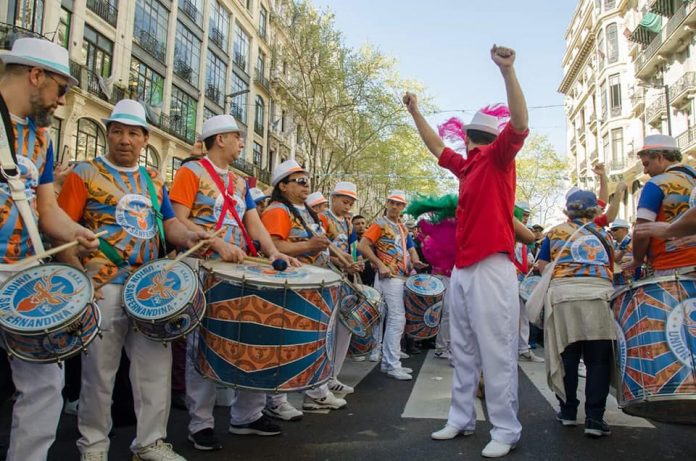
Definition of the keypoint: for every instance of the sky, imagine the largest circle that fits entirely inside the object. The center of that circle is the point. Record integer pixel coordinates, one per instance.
(444, 44)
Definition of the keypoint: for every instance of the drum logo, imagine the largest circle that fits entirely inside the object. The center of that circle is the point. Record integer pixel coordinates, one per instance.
(588, 250)
(60, 343)
(432, 316)
(681, 331)
(134, 214)
(154, 293)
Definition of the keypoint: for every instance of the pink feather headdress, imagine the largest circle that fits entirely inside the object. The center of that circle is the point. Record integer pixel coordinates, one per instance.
(452, 130)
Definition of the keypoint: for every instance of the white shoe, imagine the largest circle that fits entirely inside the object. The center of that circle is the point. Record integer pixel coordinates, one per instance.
(529, 356)
(337, 386)
(448, 433)
(384, 369)
(375, 356)
(284, 411)
(582, 370)
(94, 456)
(442, 355)
(496, 449)
(403, 355)
(70, 408)
(330, 402)
(158, 451)
(399, 374)
(361, 358)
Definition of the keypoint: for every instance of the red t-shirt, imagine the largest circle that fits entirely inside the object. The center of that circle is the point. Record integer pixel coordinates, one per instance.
(486, 197)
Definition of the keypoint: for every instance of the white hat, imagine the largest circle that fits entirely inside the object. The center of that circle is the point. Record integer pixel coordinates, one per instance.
(218, 124)
(257, 194)
(285, 169)
(346, 188)
(397, 196)
(36, 52)
(524, 206)
(315, 198)
(659, 142)
(620, 223)
(483, 122)
(128, 112)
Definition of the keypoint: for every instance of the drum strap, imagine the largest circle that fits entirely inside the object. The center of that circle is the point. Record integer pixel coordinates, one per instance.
(229, 203)
(155, 206)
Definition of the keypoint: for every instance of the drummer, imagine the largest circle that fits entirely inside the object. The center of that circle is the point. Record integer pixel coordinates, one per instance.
(297, 231)
(34, 83)
(113, 193)
(317, 202)
(389, 247)
(260, 200)
(339, 229)
(198, 194)
(623, 248)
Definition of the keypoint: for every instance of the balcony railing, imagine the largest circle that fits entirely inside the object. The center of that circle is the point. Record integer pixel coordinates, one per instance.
(662, 7)
(105, 10)
(258, 128)
(88, 80)
(261, 80)
(150, 44)
(648, 52)
(674, 23)
(237, 113)
(183, 70)
(245, 167)
(687, 139)
(264, 176)
(655, 110)
(9, 33)
(682, 89)
(240, 60)
(216, 36)
(177, 126)
(191, 10)
(214, 94)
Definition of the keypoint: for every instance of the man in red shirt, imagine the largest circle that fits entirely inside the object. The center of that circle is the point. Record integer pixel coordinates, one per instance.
(483, 292)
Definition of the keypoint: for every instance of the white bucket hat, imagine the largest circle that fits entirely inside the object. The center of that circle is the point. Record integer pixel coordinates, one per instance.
(285, 169)
(483, 122)
(397, 196)
(346, 188)
(524, 206)
(620, 223)
(257, 194)
(315, 198)
(220, 124)
(37, 52)
(128, 112)
(659, 142)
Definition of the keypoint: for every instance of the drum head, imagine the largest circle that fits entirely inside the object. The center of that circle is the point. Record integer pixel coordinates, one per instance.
(262, 275)
(44, 297)
(527, 286)
(372, 295)
(153, 293)
(425, 285)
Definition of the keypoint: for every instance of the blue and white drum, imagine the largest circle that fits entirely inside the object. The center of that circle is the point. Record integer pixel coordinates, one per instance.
(47, 313)
(527, 285)
(164, 303)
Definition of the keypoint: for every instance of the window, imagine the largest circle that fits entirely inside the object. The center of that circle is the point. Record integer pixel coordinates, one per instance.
(259, 115)
(263, 21)
(603, 100)
(28, 14)
(149, 158)
(55, 132)
(239, 103)
(609, 4)
(174, 167)
(182, 115)
(145, 84)
(612, 43)
(601, 53)
(241, 48)
(257, 154)
(90, 140)
(605, 146)
(63, 30)
(260, 65)
(105, 9)
(208, 113)
(187, 54)
(97, 51)
(616, 147)
(150, 29)
(219, 25)
(192, 9)
(615, 95)
(215, 80)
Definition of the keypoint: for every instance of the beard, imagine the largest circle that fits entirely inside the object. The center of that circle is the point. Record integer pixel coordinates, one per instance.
(41, 115)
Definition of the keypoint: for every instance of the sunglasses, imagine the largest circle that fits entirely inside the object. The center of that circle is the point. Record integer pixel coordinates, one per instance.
(62, 87)
(302, 181)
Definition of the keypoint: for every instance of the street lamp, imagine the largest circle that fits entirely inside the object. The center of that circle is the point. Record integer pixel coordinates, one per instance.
(234, 95)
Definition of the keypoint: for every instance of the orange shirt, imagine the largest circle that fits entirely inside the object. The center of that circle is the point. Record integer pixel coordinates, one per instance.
(283, 225)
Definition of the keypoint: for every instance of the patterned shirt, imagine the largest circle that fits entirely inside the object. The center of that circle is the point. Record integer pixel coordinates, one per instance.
(338, 230)
(584, 256)
(195, 189)
(35, 161)
(283, 225)
(392, 242)
(104, 197)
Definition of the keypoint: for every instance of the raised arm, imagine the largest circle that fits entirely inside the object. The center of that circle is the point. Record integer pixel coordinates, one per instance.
(504, 58)
(430, 138)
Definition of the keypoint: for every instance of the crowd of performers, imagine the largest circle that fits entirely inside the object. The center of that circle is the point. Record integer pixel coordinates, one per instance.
(476, 242)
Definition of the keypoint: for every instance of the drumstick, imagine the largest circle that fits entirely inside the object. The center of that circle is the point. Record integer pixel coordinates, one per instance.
(278, 264)
(52, 251)
(193, 249)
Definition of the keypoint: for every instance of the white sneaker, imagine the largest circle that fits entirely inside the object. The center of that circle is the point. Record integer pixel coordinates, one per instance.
(70, 408)
(285, 411)
(330, 402)
(582, 370)
(360, 358)
(496, 449)
(94, 456)
(399, 374)
(158, 451)
(442, 355)
(375, 356)
(384, 369)
(529, 356)
(403, 355)
(337, 386)
(448, 433)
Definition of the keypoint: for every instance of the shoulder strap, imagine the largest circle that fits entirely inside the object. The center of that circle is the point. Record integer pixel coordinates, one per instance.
(683, 169)
(604, 243)
(10, 138)
(155, 205)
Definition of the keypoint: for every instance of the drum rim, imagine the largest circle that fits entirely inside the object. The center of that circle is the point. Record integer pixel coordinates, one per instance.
(438, 293)
(253, 282)
(4, 326)
(649, 281)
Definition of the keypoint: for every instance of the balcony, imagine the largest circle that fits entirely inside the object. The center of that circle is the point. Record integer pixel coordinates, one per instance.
(662, 7)
(183, 70)
(9, 33)
(88, 80)
(216, 36)
(176, 126)
(150, 44)
(592, 122)
(105, 10)
(261, 80)
(637, 98)
(687, 140)
(683, 91)
(214, 94)
(245, 167)
(240, 60)
(656, 112)
(237, 112)
(191, 10)
(264, 176)
(617, 165)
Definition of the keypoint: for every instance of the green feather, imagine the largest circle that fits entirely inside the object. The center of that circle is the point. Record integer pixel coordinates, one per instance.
(441, 207)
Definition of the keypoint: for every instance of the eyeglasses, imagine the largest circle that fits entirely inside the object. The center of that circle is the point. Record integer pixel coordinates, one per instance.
(62, 87)
(302, 181)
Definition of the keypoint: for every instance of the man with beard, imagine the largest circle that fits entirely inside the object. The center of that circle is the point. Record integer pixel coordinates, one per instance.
(35, 82)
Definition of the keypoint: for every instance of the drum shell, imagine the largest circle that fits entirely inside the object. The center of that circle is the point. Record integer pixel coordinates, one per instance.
(656, 323)
(357, 311)
(527, 286)
(423, 312)
(267, 338)
(362, 346)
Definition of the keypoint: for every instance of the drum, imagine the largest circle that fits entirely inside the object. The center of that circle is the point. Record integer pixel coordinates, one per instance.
(527, 285)
(656, 323)
(358, 310)
(164, 304)
(267, 330)
(362, 346)
(423, 296)
(47, 313)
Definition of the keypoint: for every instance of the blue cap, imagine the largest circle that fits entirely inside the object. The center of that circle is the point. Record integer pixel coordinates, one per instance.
(581, 200)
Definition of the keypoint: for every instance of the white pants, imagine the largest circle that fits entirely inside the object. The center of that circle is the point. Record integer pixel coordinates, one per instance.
(442, 341)
(392, 290)
(523, 346)
(343, 336)
(150, 376)
(484, 319)
(201, 392)
(36, 412)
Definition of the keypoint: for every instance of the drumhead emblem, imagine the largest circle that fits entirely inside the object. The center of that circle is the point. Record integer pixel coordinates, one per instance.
(681, 331)
(425, 285)
(60, 343)
(432, 316)
(178, 325)
(268, 271)
(134, 215)
(588, 250)
(153, 293)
